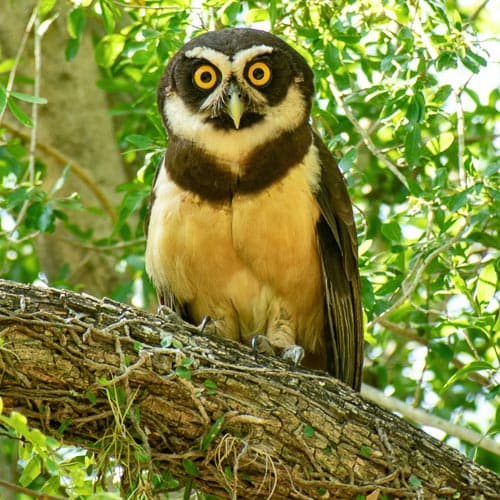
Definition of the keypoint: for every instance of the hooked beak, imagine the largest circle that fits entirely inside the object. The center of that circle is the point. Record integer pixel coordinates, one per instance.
(235, 107)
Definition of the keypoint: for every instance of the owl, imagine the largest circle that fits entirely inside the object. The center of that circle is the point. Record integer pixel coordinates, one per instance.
(250, 221)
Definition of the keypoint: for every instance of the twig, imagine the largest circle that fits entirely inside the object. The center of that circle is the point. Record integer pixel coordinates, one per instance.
(476, 13)
(20, 50)
(365, 136)
(27, 491)
(412, 282)
(34, 119)
(412, 335)
(423, 418)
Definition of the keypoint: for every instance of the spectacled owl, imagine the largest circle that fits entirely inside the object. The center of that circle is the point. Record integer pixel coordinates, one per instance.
(250, 221)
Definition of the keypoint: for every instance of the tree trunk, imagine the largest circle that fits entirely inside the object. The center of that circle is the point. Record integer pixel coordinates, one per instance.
(205, 409)
(76, 123)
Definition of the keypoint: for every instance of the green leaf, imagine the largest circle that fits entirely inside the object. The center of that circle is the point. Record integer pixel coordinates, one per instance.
(72, 48)
(28, 98)
(365, 451)
(493, 393)
(40, 216)
(480, 60)
(187, 361)
(412, 145)
(486, 284)
(212, 433)
(440, 143)
(37, 438)
(332, 57)
(183, 372)
(210, 386)
(166, 341)
(3, 99)
(76, 23)
(473, 366)
(45, 6)
(190, 467)
(108, 16)
(415, 112)
(348, 159)
(91, 396)
(414, 481)
(108, 49)
(31, 471)
(140, 141)
(19, 114)
(309, 431)
(392, 231)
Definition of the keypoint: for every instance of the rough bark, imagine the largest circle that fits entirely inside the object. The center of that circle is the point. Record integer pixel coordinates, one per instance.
(283, 433)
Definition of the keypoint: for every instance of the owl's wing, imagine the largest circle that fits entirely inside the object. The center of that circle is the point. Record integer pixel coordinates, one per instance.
(339, 259)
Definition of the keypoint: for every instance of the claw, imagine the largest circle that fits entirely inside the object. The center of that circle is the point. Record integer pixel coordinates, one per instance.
(294, 354)
(260, 345)
(207, 326)
(163, 311)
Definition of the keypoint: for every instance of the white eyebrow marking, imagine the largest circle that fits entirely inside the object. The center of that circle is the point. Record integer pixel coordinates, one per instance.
(218, 59)
(246, 55)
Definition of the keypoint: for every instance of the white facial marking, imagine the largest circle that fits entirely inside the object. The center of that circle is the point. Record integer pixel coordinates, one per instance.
(233, 146)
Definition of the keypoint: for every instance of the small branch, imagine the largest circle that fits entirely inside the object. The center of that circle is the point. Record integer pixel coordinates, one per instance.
(421, 417)
(366, 137)
(27, 491)
(413, 280)
(20, 50)
(476, 13)
(462, 175)
(410, 334)
(34, 119)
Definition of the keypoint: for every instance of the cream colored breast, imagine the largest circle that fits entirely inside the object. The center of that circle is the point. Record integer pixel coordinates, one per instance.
(239, 261)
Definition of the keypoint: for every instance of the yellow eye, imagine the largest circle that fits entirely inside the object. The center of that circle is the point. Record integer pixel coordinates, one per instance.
(205, 77)
(259, 74)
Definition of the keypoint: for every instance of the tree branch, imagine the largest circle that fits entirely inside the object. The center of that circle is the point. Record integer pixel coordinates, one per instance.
(245, 427)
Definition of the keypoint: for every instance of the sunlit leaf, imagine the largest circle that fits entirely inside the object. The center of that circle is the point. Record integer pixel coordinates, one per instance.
(190, 467)
(31, 471)
(472, 367)
(487, 284)
(108, 49)
(440, 143)
(412, 145)
(212, 433)
(19, 113)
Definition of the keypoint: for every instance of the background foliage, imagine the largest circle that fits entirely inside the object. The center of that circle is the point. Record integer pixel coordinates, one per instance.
(407, 100)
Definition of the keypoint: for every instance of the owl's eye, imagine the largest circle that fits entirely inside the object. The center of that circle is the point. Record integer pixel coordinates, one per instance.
(259, 74)
(205, 77)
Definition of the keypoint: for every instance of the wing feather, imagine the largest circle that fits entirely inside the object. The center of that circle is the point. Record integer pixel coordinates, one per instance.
(339, 260)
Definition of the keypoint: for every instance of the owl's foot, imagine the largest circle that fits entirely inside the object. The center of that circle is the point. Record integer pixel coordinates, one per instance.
(207, 326)
(261, 345)
(293, 354)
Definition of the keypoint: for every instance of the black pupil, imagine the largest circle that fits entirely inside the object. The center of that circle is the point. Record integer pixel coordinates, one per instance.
(258, 73)
(206, 77)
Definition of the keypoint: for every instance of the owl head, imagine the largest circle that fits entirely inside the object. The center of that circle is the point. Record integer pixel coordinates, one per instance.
(235, 81)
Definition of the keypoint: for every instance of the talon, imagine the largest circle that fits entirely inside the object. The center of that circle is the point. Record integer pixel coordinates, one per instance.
(207, 326)
(293, 354)
(260, 345)
(163, 311)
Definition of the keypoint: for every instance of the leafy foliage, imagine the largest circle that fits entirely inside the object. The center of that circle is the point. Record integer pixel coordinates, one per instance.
(407, 99)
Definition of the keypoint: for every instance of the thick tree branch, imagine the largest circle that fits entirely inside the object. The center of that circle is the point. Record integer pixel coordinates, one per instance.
(250, 428)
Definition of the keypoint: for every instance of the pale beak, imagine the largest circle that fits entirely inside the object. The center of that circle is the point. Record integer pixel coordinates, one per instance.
(235, 107)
